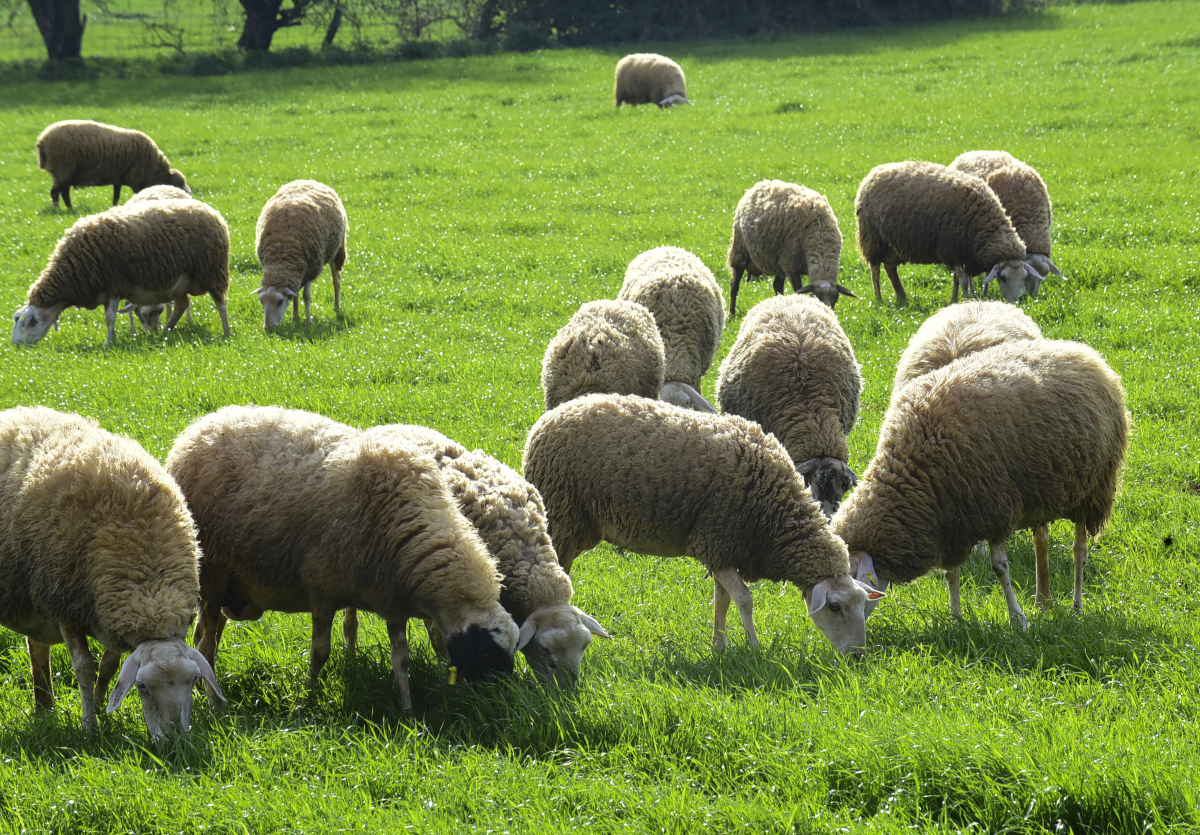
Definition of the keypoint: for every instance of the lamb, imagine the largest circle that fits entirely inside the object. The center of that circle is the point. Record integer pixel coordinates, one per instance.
(924, 213)
(1014, 436)
(96, 540)
(301, 229)
(1025, 198)
(786, 230)
(149, 315)
(656, 479)
(298, 513)
(685, 299)
(645, 77)
(792, 371)
(82, 153)
(149, 253)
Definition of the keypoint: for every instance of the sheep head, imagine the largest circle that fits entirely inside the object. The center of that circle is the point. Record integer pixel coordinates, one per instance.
(275, 301)
(148, 315)
(175, 178)
(165, 673)
(483, 646)
(837, 606)
(553, 639)
(685, 397)
(862, 569)
(827, 479)
(30, 323)
(1016, 278)
(827, 292)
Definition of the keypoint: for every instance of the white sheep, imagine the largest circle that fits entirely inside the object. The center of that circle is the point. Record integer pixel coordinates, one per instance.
(792, 370)
(96, 541)
(301, 229)
(649, 78)
(786, 231)
(655, 479)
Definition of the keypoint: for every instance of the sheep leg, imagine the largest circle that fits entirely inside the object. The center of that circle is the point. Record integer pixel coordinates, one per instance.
(797, 282)
(894, 277)
(132, 329)
(181, 306)
(85, 670)
(54, 191)
(734, 284)
(350, 629)
(398, 635)
(295, 310)
(336, 272)
(953, 585)
(1000, 567)
(221, 311)
(729, 578)
(1081, 555)
(116, 193)
(308, 304)
(39, 663)
(322, 627)
(65, 191)
(875, 282)
(779, 284)
(720, 610)
(108, 668)
(1041, 551)
(110, 320)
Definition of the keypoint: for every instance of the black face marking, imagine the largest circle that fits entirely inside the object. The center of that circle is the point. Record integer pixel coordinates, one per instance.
(477, 655)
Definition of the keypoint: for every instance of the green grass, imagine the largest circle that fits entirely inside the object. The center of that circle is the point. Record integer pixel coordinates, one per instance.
(488, 198)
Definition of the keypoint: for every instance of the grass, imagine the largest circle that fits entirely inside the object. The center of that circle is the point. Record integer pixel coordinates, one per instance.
(488, 198)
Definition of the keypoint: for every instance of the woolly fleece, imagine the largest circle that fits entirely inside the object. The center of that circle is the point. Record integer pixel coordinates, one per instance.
(647, 78)
(301, 229)
(1021, 190)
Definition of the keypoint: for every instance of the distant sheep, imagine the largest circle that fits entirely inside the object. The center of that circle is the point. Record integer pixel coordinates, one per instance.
(84, 153)
(301, 229)
(793, 372)
(1011, 437)
(660, 480)
(786, 231)
(648, 78)
(149, 253)
(301, 514)
(924, 213)
(96, 541)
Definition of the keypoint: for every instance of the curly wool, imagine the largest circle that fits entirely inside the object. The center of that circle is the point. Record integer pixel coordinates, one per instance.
(792, 370)
(301, 229)
(158, 193)
(688, 308)
(959, 330)
(87, 153)
(1021, 190)
(1011, 437)
(610, 467)
(92, 531)
(607, 347)
(647, 78)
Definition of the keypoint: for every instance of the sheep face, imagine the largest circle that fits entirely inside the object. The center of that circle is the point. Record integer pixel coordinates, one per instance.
(1016, 278)
(553, 640)
(827, 479)
(31, 323)
(827, 292)
(862, 569)
(275, 301)
(175, 178)
(165, 673)
(837, 606)
(485, 648)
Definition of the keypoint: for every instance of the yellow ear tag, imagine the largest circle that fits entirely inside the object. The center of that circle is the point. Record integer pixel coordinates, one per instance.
(871, 577)
(454, 675)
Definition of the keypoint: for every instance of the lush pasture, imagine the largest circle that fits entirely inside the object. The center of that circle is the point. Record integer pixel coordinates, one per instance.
(488, 198)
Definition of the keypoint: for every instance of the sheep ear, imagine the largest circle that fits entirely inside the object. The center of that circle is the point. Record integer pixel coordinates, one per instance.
(528, 630)
(807, 288)
(872, 593)
(592, 625)
(206, 672)
(698, 400)
(845, 291)
(806, 467)
(1032, 270)
(991, 275)
(816, 601)
(289, 292)
(853, 475)
(258, 291)
(126, 680)
(1055, 269)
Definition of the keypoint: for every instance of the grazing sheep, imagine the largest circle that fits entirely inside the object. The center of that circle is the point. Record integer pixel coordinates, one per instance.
(301, 229)
(1025, 198)
(149, 315)
(1011, 437)
(792, 371)
(158, 193)
(607, 347)
(685, 299)
(659, 480)
(150, 253)
(925, 213)
(298, 513)
(648, 78)
(96, 541)
(786, 231)
(84, 153)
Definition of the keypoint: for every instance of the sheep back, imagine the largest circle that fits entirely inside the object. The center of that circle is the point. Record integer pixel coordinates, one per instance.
(787, 229)
(300, 230)
(87, 153)
(647, 78)
(1021, 191)
(92, 531)
(158, 193)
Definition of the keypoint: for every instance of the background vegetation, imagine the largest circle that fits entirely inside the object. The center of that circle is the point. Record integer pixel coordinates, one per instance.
(488, 198)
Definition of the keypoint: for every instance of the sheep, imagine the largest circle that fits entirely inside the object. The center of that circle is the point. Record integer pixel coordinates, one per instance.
(685, 300)
(301, 514)
(1014, 436)
(787, 231)
(606, 347)
(652, 478)
(82, 153)
(149, 315)
(301, 229)
(925, 213)
(645, 78)
(96, 541)
(150, 253)
(792, 371)
(1025, 198)
(158, 193)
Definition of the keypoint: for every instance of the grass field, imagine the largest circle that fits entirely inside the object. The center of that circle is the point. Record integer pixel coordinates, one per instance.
(488, 198)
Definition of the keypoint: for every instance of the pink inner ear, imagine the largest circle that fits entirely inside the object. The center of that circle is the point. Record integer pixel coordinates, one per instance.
(126, 680)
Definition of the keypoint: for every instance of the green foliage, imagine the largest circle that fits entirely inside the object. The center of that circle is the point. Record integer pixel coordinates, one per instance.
(489, 197)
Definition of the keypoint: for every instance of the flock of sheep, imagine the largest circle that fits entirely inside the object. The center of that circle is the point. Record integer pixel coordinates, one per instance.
(990, 429)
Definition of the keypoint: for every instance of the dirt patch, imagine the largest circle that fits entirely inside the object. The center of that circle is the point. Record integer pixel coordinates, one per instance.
(1194, 489)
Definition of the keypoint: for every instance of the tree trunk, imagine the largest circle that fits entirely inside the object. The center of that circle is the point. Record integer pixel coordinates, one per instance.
(61, 27)
(262, 22)
(332, 31)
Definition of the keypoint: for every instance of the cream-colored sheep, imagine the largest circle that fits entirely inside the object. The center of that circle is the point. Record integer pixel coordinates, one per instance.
(84, 153)
(648, 78)
(149, 315)
(792, 371)
(786, 231)
(149, 253)
(298, 513)
(147, 195)
(925, 213)
(671, 482)
(301, 229)
(1011, 437)
(96, 541)
(685, 300)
